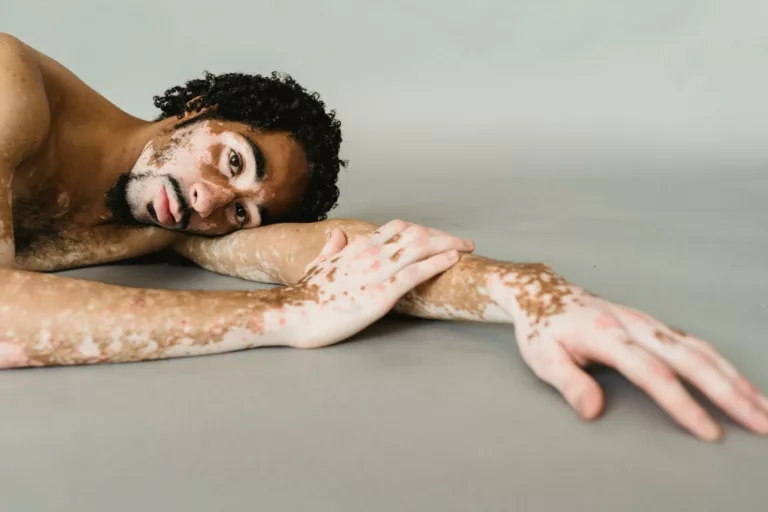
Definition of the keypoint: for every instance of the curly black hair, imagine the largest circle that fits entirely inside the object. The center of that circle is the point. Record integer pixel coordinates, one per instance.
(278, 103)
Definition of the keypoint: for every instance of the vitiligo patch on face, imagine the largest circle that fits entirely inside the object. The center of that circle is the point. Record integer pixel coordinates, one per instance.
(268, 179)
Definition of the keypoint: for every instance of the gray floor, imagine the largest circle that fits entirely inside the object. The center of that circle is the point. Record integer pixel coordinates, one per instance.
(416, 415)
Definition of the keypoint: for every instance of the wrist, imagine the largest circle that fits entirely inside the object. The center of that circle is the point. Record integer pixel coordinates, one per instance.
(504, 301)
(528, 291)
(278, 316)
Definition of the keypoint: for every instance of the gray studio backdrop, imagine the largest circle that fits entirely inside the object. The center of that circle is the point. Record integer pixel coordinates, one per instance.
(537, 80)
(622, 142)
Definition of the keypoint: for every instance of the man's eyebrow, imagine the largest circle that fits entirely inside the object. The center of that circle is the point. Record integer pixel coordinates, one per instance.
(258, 156)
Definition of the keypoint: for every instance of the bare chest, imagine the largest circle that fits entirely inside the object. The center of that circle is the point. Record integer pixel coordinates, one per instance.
(58, 196)
(59, 217)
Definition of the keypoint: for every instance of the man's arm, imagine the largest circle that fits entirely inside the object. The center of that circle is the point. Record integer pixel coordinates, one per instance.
(280, 254)
(24, 124)
(51, 320)
(560, 328)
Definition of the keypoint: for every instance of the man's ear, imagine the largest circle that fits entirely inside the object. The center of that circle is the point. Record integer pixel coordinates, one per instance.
(194, 108)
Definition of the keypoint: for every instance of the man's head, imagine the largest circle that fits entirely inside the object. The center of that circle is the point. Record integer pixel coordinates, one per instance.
(239, 151)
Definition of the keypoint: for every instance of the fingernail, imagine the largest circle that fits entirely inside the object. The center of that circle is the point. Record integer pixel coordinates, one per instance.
(761, 425)
(713, 432)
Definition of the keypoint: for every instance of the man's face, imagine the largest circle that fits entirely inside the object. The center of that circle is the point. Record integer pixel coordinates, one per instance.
(212, 177)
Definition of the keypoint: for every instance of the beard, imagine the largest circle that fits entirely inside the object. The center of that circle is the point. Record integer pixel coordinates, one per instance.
(117, 203)
(116, 200)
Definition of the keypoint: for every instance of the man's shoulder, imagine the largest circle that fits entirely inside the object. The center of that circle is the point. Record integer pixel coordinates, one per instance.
(24, 112)
(15, 55)
(11, 43)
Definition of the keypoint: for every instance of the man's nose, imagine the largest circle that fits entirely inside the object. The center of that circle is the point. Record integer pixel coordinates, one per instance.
(205, 198)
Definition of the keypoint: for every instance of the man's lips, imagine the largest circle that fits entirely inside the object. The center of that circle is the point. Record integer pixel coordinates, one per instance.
(168, 208)
(173, 206)
(162, 208)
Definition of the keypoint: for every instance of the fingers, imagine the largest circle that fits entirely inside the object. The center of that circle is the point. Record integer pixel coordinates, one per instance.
(557, 368)
(388, 231)
(406, 254)
(741, 382)
(337, 240)
(417, 273)
(417, 235)
(656, 379)
(701, 370)
(404, 233)
(415, 244)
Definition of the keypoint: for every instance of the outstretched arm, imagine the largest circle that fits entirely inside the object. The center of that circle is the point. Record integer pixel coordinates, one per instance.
(50, 320)
(281, 254)
(560, 327)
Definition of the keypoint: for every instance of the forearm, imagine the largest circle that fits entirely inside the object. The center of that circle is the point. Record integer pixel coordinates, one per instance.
(50, 320)
(470, 290)
(277, 254)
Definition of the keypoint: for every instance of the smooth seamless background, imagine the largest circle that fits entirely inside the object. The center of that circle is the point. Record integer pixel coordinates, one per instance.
(620, 142)
(533, 78)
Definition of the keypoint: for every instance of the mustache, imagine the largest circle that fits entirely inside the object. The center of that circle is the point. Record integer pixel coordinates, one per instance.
(116, 200)
(186, 211)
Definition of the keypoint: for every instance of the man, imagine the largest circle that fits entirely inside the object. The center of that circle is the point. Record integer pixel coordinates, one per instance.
(85, 183)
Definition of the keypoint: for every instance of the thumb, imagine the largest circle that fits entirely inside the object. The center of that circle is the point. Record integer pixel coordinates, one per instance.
(335, 242)
(578, 388)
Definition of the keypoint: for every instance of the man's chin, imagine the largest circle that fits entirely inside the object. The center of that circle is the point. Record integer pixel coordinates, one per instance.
(116, 201)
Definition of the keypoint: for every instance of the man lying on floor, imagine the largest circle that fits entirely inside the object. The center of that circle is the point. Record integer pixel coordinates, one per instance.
(85, 183)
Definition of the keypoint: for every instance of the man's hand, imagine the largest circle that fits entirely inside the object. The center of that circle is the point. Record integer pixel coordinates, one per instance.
(560, 328)
(356, 284)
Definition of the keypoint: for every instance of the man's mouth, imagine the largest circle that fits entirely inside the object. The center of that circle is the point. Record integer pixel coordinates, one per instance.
(169, 208)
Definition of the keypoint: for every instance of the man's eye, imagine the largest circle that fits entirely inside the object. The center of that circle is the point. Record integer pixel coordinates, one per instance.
(235, 163)
(241, 214)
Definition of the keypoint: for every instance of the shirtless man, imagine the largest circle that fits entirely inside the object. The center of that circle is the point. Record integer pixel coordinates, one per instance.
(84, 183)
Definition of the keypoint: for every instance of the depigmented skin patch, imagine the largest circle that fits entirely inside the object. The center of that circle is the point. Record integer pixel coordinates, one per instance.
(48, 332)
(12, 354)
(461, 293)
